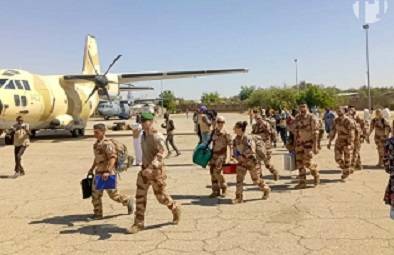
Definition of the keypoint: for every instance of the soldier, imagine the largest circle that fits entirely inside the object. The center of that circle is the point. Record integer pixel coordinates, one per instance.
(244, 153)
(221, 145)
(320, 127)
(21, 133)
(344, 144)
(306, 144)
(362, 128)
(170, 127)
(264, 129)
(382, 132)
(104, 165)
(205, 125)
(151, 173)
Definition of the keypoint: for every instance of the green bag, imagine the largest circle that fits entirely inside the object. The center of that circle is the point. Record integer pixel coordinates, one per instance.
(202, 155)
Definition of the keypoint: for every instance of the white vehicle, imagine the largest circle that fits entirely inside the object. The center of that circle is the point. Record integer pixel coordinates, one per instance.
(142, 108)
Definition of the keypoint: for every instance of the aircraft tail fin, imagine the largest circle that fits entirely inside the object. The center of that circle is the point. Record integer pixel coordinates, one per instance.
(91, 63)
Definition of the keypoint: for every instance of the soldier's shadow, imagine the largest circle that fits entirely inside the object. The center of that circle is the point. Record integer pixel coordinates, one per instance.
(202, 200)
(69, 220)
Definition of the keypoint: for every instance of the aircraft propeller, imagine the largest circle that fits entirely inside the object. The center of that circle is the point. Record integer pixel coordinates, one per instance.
(100, 80)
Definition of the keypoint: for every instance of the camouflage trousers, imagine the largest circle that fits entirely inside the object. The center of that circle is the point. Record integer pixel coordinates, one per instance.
(380, 146)
(356, 158)
(267, 160)
(255, 173)
(98, 194)
(157, 180)
(342, 156)
(217, 178)
(321, 133)
(304, 155)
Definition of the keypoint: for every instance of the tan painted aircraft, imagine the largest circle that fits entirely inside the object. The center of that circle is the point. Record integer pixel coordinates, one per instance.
(67, 101)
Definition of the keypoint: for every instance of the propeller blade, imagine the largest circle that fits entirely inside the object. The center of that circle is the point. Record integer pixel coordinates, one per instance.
(91, 62)
(92, 93)
(107, 94)
(113, 62)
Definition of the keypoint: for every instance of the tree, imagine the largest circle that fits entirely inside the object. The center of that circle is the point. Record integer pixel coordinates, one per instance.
(169, 100)
(210, 98)
(246, 92)
(316, 95)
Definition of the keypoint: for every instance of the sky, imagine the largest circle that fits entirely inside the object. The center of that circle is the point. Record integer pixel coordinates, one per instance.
(265, 36)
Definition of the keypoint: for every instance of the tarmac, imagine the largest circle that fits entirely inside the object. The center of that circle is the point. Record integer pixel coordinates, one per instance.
(44, 213)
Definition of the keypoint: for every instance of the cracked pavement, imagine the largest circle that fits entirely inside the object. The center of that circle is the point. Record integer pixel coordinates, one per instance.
(44, 213)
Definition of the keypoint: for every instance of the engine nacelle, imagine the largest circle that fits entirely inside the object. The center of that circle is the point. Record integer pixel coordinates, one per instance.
(113, 88)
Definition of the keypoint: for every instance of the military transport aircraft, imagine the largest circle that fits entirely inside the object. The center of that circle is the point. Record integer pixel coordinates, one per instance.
(67, 101)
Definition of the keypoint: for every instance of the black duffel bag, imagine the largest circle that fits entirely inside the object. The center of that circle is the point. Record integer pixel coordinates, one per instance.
(86, 185)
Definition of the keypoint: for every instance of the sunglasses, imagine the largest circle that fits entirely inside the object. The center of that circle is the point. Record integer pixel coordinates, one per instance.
(220, 122)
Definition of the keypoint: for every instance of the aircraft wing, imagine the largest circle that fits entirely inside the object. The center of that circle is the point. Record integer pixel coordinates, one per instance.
(150, 76)
(125, 87)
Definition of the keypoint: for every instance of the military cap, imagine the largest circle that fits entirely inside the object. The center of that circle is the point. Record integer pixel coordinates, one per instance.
(147, 116)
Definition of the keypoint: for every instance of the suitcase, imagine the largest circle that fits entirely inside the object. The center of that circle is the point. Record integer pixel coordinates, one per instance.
(86, 185)
(289, 162)
(202, 155)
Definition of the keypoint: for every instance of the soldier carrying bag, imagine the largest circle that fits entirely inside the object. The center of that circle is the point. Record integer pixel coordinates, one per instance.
(259, 147)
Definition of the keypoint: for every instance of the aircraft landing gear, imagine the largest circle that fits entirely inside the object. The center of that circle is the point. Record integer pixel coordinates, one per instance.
(75, 132)
(33, 133)
(82, 132)
(106, 118)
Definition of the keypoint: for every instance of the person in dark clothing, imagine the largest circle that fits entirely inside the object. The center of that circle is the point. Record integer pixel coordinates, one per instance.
(283, 127)
(170, 127)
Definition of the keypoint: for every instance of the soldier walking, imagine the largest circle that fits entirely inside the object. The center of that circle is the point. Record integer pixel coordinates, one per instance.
(306, 144)
(152, 174)
(170, 127)
(382, 133)
(21, 133)
(362, 127)
(244, 153)
(344, 144)
(104, 165)
(221, 145)
(264, 129)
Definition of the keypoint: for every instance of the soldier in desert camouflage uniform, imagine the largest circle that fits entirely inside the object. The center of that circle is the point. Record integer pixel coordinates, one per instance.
(320, 127)
(306, 144)
(221, 145)
(152, 173)
(244, 153)
(362, 128)
(344, 144)
(263, 128)
(382, 133)
(104, 164)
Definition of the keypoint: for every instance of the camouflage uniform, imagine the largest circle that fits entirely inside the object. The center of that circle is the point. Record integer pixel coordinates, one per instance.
(244, 146)
(345, 128)
(382, 132)
(104, 151)
(361, 132)
(221, 141)
(306, 135)
(268, 135)
(152, 173)
(321, 132)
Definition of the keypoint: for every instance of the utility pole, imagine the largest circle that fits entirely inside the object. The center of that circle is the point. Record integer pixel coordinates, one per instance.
(366, 27)
(296, 69)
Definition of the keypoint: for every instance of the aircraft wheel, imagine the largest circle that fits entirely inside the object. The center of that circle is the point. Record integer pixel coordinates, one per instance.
(82, 132)
(106, 118)
(75, 132)
(8, 140)
(33, 133)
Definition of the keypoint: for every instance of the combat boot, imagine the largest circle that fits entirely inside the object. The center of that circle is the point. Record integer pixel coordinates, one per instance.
(95, 217)
(344, 177)
(266, 193)
(316, 179)
(358, 167)
(238, 199)
(176, 217)
(301, 185)
(214, 194)
(380, 163)
(134, 229)
(276, 176)
(130, 206)
(224, 193)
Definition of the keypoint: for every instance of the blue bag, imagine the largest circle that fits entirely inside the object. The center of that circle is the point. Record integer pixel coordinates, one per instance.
(104, 185)
(202, 155)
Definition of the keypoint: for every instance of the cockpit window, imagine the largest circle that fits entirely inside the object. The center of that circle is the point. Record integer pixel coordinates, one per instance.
(10, 85)
(26, 85)
(2, 82)
(18, 84)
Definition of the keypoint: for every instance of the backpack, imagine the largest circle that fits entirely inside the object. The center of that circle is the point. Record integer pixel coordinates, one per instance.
(259, 147)
(124, 161)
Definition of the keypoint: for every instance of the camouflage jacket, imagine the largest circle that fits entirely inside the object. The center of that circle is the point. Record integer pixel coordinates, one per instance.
(345, 128)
